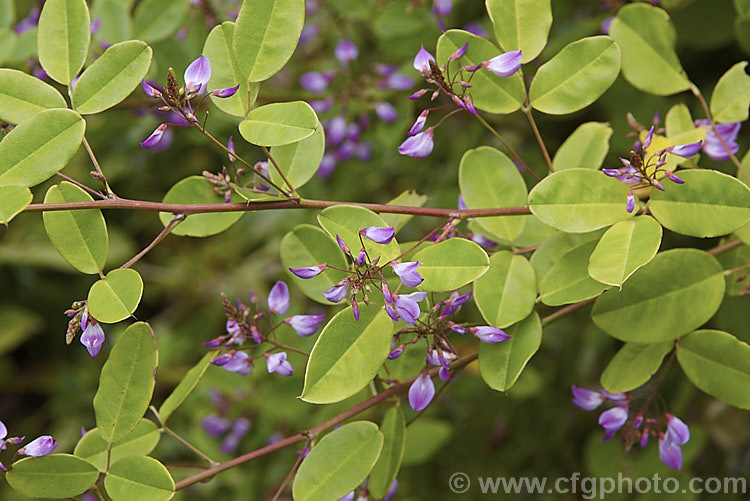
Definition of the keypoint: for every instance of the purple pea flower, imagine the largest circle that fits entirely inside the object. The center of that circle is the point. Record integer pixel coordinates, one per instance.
(505, 64)
(155, 137)
(346, 52)
(239, 429)
(215, 425)
(613, 419)
(458, 54)
(321, 105)
(391, 312)
(361, 257)
(408, 273)
(669, 452)
(4, 433)
(418, 94)
(197, 75)
(386, 112)
(422, 61)
(221, 360)
(421, 392)
(647, 140)
(631, 201)
(278, 298)
(379, 234)
(92, 337)
(395, 353)
(442, 7)
(278, 363)
(241, 363)
(419, 123)
(314, 81)
(419, 145)
(336, 130)
(440, 357)
(399, 82)
(673, 177)
(713, 146)
(626, 174)
(309, 272)
(489, 335)
(454, 303)
(685, 150)
(226, 92)
(308, 33)
(677, 430)
(305, 325)
(150, 90)
(407, 307)
(587, 400)
(342, 245)
(392, 491)
(40, 446)
(470, 105)
(337, 293)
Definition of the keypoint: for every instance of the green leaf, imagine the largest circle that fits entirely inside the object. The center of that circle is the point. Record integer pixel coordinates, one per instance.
(623, 249)
(554, 247)
(347, 355)
(576, 77)
(126, 382)
(278, 124)
(56, 476)
(678, 120)
(80, 236)
(585, 148)
(678, 291)
(265, 36)
(717, 363)
(298, 161)
(338, 463)
(197, 190)
(521, 25)
(112, 77)
(13, 199)
(408, 366)
(116, 296)
(115, 23)
(7, 14)
(489, 179)
(225, 72)
(63, 38)
(489, 92)
(386, 469)
(308, 245)
(649, 62)
(633, 365)
(8, 41)
(156, 20)
(568, 280)
(346, 221)
(142, 440)
(709, 204)
(579, 200)
(451, 264)
(507, 292)
(424, 438)
(185, 388)
(139, 477)
(409, 198)
(500, 364)
(39, 147)
(22, 96)
(731, 97)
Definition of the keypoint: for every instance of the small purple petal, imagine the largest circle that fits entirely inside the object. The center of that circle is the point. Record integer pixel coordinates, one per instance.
(379, 234)
(3, 430)
(419, 123)
(686, 150)
(677, 429)
(342, 245)
(418, 94)
(391, 312)
(422, 61)
(321, 105)
(408, 273)
(241, 363)
(223, 359)
(505, 64)
(613, 419)
(305, 325)
(355, 309)
(587, 400)
(490, 335)
(197, 75)
(631, 201)
(396, 352)
(386, 112)
(336, 293)
(215, 425)
(39, 447)
(673, 177)
(93, 337)
(606, 24)
(346, 52)
(421, 392)
(149, 89)
(336, 130)
(277, 363)
(278, 298)
(226, 92)
(314, 81)
(669, 452)
(649, 137)
(155, 137)
(459, 52)
(419, 145)
(308, 272)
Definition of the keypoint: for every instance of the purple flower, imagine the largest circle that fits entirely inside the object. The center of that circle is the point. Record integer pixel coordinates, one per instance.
(278, 298)
(305, 325)
(308, 33)
(419, 145)
(361, 257)
(386, 112)
(442, 7)
(400, 82)
(669, 452)
(379, 234)
(241, 363)
(355, 309)
(239, 429)
(226, 92)
(277, 363)
(685, 150)
(342, 245)
(613, 419)
(230, 147)
(626, 174)
(419, 124)
(408, 273)
(440, 357)
(647, 140)
(93, 337)
(422, 61)
(421, 392)
(606, 24)
(150, 90)
(505, 64)
(155, 137)
(39, 446)
(458, 54)
(4, 433)
(454, 303)
(327, 165)
(215, 425)
(418, 94)
(677, 430)
(587, 400)
(348, 497)
(392, 491)
(673, 177)
(321, 105)
(631, 201)
(470, 105)
(489, 335)
(336, 130)
(310, 271)
(346, 51)
(223, 359)
(314, 81)
(391, 312)
(336, 294)
(197, 75)
(395, 353)
(407, 307)
(712, 146)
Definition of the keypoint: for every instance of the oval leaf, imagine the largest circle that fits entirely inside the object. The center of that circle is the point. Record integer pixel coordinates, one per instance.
(521, 24)
(142, 440)
(717, 363)
(55, 476)
(489, 92)
(585, 148)
(579, 200)
(112, 77)
(568, 280)
(576, 77)
(709, 204)
(386, 469)
(155, 20)
(39, 147)
(22, 96)
(63, 38)
(116, 296)
(507, 292)
(225, 72)
(186, 386)
(624, 248)
(346, 221)
(80, 236)
(139, 477)
(673, 294)
(731, 97)
(126, 382)
(338, 463)
(633, 365)
(451, 264)
(347, 355)
(554, 247)
(500, 364)
(279, 123)
(488, 179)
(13, 199)
(265, 36)
(646, 37)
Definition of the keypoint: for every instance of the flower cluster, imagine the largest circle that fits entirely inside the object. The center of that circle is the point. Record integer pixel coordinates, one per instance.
(92, 336)
(40, 446)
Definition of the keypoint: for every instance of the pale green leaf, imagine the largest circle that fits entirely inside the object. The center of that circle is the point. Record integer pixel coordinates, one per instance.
(386, 468)
(451, 264)
(633, 365)
(507, 292)
(139, 477)
(346, 221)
(731, 97)
(155, 20)
(225, 71)
(13, 199)
(56, 476)
(298, 161)
(63, 38)
(521, 24)
(93, 448)
(278, 124)
(500, 364)
(116, 296)
(22, 96)
(568, 280)
(585, 148)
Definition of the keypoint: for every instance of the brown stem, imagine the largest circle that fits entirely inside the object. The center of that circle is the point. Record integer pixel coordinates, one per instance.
(539, 139)
(564, 311)
(507, 146)
(281, 173)
(288, 476)
(189, 445)
(82, 186)
(720, 249)
(167, 229)
(96, 166)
